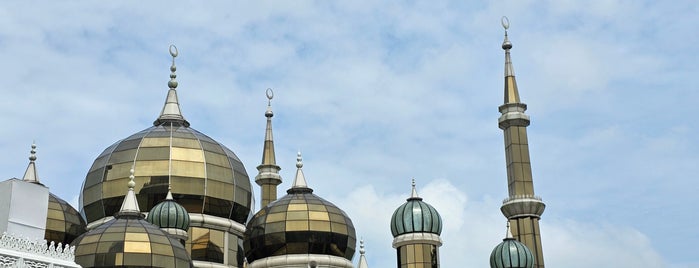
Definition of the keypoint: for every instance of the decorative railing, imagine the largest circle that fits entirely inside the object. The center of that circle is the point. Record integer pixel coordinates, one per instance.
(524, 196)
(37, 247)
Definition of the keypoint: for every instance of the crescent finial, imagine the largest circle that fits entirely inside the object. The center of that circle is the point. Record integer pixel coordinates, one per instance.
(173, 51)
(505, 22)
(270, 93)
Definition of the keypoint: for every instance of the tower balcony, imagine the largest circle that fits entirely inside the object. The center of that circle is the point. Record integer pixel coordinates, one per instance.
(520, 206)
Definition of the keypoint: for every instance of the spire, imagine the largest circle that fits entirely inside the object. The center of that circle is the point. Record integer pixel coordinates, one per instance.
(362, 259)
(169, 192)
(268, 157)
(413, 194)
(511, 92)
(508, 235)
(130, 204)
(31, 174)
(171, 110)
(299, 185)
(268, 177)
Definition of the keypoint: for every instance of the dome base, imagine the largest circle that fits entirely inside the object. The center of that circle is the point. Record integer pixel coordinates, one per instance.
(301, 261)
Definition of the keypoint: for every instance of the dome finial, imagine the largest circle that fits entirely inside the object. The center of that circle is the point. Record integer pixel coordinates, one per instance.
(362, 259)
(171, 110)
(270, 95)
(508, 235)
(173, 81)
(169, 192)
(413, 194)
(32, 152)
(299, 160)
(506, 45)
(300, 180)
(130, 205)
(31, 175)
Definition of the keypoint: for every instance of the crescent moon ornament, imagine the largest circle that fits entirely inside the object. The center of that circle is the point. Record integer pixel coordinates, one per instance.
(505, 22)
(173, 51)
(270, 93)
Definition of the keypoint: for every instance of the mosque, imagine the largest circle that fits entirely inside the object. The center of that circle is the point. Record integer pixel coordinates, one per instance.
(170, 196)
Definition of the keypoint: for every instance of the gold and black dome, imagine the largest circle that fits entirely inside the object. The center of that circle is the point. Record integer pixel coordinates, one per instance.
(208, 177)
(129, 240)
(300, 223)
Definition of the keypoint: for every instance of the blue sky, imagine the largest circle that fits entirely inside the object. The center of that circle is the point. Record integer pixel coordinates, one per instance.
(375, 94)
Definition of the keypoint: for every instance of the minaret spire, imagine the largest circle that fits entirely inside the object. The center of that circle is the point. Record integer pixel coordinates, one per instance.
(31, 175)
(171, 110)
(130, 204)
(511, 92)
(268, 177)
(522, 208)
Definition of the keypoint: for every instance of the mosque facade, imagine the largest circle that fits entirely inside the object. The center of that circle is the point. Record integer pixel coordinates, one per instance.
(170, 196)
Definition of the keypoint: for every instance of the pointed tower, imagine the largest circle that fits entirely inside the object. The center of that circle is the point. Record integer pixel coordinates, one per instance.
(522, 208)
(362, 259)
(268, 177)
(416, 227)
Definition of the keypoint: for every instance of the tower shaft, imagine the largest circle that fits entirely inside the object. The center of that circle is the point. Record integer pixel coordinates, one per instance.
(522, 208)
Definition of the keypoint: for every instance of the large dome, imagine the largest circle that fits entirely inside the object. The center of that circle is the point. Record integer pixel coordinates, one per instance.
(206, 176)
(300, 223)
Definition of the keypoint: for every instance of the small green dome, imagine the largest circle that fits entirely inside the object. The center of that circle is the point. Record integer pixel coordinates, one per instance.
(511, 254)
(415, 216)
(169, 214)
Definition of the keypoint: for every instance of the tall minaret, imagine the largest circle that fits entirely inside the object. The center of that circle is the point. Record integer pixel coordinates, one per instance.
(268, 177)
(522, 208)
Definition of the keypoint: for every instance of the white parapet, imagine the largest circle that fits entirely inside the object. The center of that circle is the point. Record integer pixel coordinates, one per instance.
(18, 251)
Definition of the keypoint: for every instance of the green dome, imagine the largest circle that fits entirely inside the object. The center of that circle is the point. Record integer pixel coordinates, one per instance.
(169, 214)
(130, 241)
(511, 254)
(415, 216)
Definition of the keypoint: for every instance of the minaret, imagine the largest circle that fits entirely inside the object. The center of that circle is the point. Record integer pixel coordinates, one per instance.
(171, 110)
(416, 227)
(268, 177)
(522, 208)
